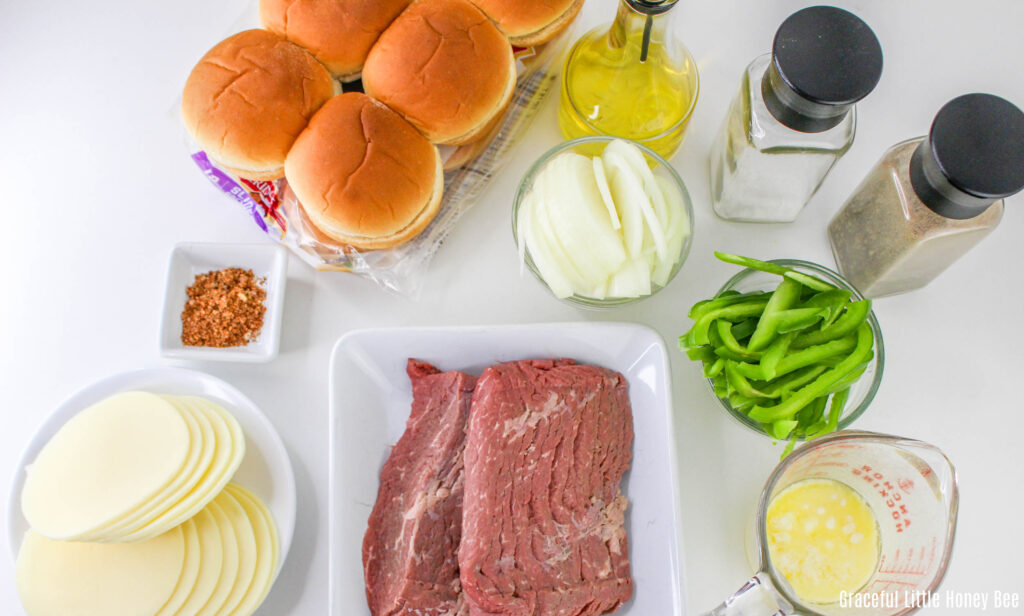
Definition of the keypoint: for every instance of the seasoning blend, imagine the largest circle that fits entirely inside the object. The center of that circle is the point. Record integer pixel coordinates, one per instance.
(632, 79)
(793, 116)
(930, 200)
(225, 308)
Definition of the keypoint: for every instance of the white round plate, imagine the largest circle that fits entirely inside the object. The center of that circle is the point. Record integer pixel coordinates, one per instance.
(266, 470)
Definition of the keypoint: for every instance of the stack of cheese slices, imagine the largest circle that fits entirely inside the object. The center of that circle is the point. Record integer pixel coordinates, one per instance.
(131, 512)
(367, 172)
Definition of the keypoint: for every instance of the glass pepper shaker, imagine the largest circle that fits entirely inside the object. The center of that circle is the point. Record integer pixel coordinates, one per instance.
(632, 79)
(794, 116)
(929, 200)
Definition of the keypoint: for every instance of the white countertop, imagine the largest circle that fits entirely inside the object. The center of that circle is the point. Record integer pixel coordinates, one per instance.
(97, 188)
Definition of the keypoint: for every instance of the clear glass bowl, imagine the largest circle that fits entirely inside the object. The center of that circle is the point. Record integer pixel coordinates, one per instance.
(863, 391)
(593, 146)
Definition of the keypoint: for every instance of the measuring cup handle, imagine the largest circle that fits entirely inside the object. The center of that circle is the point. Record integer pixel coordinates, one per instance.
(757, 597)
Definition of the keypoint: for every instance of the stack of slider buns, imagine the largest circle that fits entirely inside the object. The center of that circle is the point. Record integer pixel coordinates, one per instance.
(365, 168)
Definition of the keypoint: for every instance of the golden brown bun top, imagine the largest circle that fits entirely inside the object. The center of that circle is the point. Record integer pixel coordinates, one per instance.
(519, 18)
(444, 66)
(250, 96)
(361, 167)
(339, 33)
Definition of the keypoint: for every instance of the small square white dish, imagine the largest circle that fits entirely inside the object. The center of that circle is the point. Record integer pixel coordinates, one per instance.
(370, 398)
(267, 261)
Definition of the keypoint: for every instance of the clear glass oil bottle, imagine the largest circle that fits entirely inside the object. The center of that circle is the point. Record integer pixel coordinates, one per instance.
(632, 79)
(929, 200)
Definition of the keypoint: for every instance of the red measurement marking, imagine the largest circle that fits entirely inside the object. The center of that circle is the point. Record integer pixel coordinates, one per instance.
(887, 491)
(833, 464)
(884, 584)
(907, 566)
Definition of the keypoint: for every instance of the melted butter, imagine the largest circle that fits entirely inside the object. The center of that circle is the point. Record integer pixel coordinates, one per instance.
(823, 538)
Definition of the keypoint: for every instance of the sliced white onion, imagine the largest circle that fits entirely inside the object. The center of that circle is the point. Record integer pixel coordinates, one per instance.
(678, 229)
(540, 252)
(606, 192)
(636, 159)
(633, 189)
(560, 257)
(627, 204)
(577, 215)
(633, 280)
(602, 227)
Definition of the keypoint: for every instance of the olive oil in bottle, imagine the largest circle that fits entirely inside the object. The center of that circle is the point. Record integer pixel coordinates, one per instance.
(631, 79)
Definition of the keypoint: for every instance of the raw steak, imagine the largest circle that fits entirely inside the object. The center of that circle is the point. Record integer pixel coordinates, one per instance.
(410, 549)
(542, 521)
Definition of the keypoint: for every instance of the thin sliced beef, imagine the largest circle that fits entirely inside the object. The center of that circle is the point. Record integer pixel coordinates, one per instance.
(410, 549)
(542, 521)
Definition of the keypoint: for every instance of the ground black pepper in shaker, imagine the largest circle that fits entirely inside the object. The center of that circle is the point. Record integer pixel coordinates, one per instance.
(929, 200)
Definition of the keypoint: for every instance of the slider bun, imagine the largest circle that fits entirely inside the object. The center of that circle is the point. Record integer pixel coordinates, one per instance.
(465, 153)
(445, 67)
(363, 175)
(249, 97)
(339, 33)
(531, 22)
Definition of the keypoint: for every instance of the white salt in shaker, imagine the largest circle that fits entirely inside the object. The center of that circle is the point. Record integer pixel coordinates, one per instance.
(793, 117)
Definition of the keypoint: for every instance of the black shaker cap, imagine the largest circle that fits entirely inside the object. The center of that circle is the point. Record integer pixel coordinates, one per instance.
(974, 155)
(978, 141)
(824, 60)
(651, 7)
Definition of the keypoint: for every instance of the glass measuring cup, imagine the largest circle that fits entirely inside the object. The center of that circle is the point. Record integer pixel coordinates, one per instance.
(911, 488)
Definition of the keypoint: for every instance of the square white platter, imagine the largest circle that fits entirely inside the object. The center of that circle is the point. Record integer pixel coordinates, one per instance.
(370, 397)
(267, 261)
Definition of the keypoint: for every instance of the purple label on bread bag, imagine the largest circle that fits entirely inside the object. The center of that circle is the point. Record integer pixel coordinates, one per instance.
(227, 185)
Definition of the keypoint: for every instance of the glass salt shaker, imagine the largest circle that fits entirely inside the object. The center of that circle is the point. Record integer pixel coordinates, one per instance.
(929, 200)
(794, 116)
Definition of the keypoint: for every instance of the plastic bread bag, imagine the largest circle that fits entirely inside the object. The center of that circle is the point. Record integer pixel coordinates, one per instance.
(273, 207)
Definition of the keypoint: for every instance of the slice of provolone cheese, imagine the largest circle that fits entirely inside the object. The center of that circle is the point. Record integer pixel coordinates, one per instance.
(229, 564)
(247, 550)
(57, 578)
(105, 462)
(267, 549)
(227, 457)
(204, 446)
(189, 570)
(211, 552)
